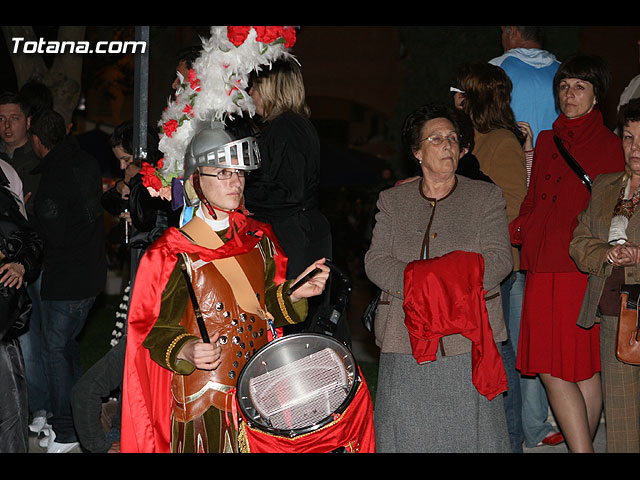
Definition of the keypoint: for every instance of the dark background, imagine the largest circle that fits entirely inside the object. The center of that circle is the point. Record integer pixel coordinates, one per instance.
(361, 82)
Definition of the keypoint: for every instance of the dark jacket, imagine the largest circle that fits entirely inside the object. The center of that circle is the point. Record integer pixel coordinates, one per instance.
(284, 191)
(70, 220)
(18, 243)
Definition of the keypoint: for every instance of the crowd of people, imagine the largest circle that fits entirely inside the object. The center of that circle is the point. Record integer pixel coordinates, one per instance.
(555, 248)
(500, 267)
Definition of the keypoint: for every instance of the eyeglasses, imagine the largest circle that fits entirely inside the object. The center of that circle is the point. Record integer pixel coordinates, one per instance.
(226, 174)
(436, 140)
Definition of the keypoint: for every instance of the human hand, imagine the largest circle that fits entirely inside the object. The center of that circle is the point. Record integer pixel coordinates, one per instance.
(123, 189)
(315, 286)
(528, 133)
(126, 216)
(622, 255)
(11, 274)
(630, 254)
(204, 356)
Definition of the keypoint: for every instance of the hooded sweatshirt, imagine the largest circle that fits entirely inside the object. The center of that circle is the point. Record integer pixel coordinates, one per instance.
(531, 71)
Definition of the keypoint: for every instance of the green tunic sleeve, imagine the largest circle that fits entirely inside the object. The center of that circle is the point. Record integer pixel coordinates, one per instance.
(168, 336)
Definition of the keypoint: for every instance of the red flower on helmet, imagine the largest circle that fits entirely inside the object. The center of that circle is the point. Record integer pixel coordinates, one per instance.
(149, 177)
(194, 81)
(237, 35)
(289, 35)
(268, 34)
(170, 127)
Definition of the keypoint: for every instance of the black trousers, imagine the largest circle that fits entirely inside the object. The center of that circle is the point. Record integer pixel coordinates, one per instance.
(87, 396)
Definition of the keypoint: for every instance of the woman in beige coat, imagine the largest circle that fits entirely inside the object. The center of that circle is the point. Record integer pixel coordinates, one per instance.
(606, 246)
(435, 407)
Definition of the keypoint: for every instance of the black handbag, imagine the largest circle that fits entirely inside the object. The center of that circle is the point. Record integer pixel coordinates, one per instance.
(573, 164)
(369, 315)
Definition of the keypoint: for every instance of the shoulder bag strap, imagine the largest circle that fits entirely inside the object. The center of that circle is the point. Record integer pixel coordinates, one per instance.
(575, 166)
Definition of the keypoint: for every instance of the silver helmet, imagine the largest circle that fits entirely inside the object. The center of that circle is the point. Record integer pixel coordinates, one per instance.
(213, 146)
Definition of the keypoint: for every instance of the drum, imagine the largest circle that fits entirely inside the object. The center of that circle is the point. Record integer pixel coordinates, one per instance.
(297, 384)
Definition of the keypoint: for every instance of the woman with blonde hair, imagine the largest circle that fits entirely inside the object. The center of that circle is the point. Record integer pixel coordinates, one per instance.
(284, 192)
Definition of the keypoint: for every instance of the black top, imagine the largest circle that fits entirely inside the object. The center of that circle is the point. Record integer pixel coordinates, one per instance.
(289, 177)
(70, 220)
(284, 191)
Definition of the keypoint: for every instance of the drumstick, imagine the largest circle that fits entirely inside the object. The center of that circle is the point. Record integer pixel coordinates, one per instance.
(196, 308)
(303, 280)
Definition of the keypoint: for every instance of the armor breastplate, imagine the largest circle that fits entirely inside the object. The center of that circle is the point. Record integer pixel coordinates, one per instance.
(241, 332)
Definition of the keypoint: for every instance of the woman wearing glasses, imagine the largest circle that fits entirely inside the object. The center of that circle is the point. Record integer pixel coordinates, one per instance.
(433, 395)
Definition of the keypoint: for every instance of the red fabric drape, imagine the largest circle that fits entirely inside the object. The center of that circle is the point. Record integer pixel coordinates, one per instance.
(445, 296)
(146, 396)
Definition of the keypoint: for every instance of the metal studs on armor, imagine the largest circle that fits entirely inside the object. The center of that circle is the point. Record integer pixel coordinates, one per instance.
(243, 317)
(236, 340)
(226, 314)
(219, 306)
(252, 318)
(232, 374)
(234, 322)
(223, 340)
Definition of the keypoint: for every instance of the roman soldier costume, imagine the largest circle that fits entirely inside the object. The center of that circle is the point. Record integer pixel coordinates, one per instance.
(230, 282)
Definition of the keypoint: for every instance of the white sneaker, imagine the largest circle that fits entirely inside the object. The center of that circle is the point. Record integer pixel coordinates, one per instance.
(39, 424)
(44, 441)
(56, 447)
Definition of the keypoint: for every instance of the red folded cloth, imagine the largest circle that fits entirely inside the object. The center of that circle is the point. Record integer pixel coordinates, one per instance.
(445, 296)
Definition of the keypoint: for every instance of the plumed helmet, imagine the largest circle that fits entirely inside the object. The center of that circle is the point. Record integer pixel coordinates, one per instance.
(213, 146)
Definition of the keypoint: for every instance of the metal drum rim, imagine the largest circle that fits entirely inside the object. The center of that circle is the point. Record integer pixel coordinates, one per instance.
(291, 433)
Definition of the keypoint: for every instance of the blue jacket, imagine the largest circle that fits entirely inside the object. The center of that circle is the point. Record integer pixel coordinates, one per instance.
(531, 71)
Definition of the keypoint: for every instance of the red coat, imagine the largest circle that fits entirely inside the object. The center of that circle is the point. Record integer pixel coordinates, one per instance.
(548, 214)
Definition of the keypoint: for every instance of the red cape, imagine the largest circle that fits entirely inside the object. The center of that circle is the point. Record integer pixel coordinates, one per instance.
(146, 395)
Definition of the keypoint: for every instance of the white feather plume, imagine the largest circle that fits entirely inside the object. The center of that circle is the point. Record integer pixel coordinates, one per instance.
(222, 71)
